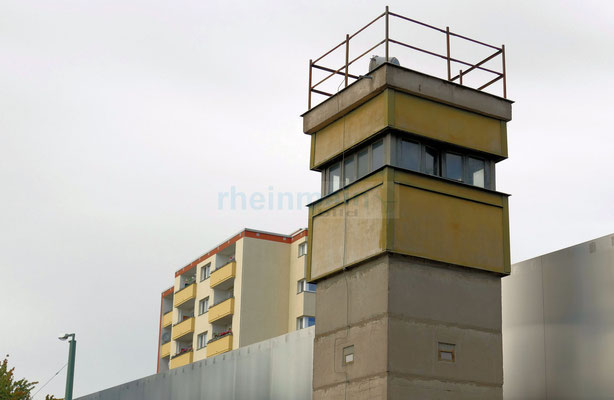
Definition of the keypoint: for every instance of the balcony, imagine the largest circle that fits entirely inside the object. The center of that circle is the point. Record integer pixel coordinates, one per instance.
(182, 359)
(183, 328)
(167, 319)
(184, 295)
(165, 350)
(222, 310)
(219, 346)
(222, 277)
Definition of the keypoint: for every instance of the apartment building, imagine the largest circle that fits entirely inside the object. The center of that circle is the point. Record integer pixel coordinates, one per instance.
(249, 288)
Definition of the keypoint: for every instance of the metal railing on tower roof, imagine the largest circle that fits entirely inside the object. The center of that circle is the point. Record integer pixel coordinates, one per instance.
(465, 67)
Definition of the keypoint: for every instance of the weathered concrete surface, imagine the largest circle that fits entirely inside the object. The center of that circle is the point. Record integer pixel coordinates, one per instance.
(416, 388)
(395, 310)
(409, 81)
(558, 324)
(426, 291)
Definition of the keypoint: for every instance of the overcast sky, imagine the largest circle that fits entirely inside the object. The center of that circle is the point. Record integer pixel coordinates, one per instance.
(122, 121)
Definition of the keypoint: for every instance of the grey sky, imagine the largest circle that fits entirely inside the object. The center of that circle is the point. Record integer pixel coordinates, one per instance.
(121, 121)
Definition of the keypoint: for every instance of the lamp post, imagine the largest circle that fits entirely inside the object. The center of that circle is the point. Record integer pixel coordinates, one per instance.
(70, 374)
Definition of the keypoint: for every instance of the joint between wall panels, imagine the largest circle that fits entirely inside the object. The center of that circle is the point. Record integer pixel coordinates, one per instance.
(390, 107)
(417, 321)
(436, 323)
(309, 244)
(420, 377)
(430, 258)
(507, 262)
(390, 212)
(504, 149)
(367, 378)
(362, 323)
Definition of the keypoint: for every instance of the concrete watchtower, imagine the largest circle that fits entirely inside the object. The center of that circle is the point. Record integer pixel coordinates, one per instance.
(410, 239)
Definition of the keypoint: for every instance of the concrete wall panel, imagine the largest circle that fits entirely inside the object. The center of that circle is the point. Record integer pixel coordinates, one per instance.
(413, 351)
(373, 388)
(267, 290)
(450, 295)
(348, 233)
(365, 289)
(558, 325)
(449, 229)
(277, 369)
(370, 353)
(400, 388)
(350, 130)
(327, 254)
(449, 124)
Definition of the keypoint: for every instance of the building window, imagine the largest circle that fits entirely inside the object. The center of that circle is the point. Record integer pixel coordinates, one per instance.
(348, 355)
(302, 249)
(304, 286)
(475, 171)
(377, 150)
(203, 306)
(446, 352)
(410, 155)
(431, 161)
(363, 163)
(305, 322)
(201, 341)
(349, 170)
(416, 156)
(454, 166)
(334, 178)
(205, 271)
(355, 166)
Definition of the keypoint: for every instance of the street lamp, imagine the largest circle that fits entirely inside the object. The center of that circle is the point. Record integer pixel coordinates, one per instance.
(70, 374)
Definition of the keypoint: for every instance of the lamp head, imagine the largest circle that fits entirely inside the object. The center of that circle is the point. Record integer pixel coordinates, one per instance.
(66, 336)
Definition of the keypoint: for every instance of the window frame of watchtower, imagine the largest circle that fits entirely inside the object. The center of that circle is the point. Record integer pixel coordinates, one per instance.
(392, 142)
(442, 150)
(352, 154)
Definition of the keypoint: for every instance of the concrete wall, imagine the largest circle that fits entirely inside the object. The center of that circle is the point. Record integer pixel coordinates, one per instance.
(558, 324)
(449, 222)
(263, 306)
(430, 304)
(349, 130)
(395, 310)
(276, 369)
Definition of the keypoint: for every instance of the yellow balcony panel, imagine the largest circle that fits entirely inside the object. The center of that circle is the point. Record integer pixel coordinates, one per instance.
(221, 310)
(165, 350)
(182, 359)
(219, 346)
(223, 274)
(183, 328)
(167, 319)
(185, 294)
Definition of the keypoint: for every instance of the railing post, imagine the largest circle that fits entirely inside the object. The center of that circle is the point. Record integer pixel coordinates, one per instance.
(347, 57)
(387, 34)
(460, 74)
(504, 75)
(309, 92)
(448, 53)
